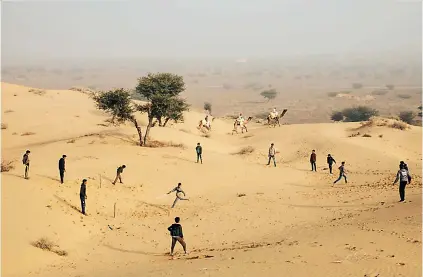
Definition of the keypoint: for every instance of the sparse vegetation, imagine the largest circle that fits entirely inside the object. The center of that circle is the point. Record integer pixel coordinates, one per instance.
(208, 107)
(337, 116)
(332, 94)
(420, 111)
(8, 111)
(404, 96)
(378, 121)
(71, 141)
(6, 166)
(158, 144)
(162, 91)
(390, 87)
(407, 116)
(37, 91)
(356, 114)
(379, 92)
(399, 125)
(367, 136)
(119, 105)
(4, 126)
(261, 115)
(357, 85)
(47, 245)
(354, 135)
(269, 94)
(28, 134)
(381, 135)
(245, 150)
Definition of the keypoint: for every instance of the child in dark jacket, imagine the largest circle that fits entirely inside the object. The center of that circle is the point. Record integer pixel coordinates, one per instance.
(177, 235)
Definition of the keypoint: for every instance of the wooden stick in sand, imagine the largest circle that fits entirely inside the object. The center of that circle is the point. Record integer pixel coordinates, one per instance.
(114, 210)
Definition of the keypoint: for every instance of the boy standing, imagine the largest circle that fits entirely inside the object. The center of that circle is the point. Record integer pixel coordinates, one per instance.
(177, 235)
(341, 173)
(272, 153)
(313, 159)
(404, 177)
(119, 172)
(83, 195)
(330, 161)
(199, 151)
(25, 161)
(62, 168)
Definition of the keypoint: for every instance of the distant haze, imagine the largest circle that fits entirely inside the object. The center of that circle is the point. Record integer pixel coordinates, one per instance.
(37, 31)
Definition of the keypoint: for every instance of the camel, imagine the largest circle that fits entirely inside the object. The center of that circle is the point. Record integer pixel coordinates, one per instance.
(275, 121)
(242, 124)
(204, 124)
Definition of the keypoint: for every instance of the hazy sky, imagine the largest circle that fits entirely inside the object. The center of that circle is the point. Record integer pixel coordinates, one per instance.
(207, 28)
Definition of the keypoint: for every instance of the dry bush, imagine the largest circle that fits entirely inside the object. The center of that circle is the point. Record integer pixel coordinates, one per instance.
(37, 91)
(159, 144)
(28, 134)
(206, 135)
(381, 135)
(245, 151)
(6, 166)
(47, 245)
(332, 94)
(367, 136)
(404, 96)
(354, 135)
(71, 141)
(3, 126)
(399, 125)
(241, 194)
(379, 92)
(391, 123)
(8, 111)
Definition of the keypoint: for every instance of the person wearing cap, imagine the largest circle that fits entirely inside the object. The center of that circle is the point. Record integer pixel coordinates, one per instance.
(272, 153)
(62, 169)
(25, 161)
(83, 195)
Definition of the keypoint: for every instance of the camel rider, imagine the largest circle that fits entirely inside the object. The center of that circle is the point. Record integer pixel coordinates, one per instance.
(274, 114)
(240, 119)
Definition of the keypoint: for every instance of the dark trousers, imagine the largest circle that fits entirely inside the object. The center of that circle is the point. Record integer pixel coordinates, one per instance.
(181, 241)
(199, 158)
(402, 190)
(62, 175)
(274, 160)
(82, 197)
(313, 166)
(330, 168)
(340, 177)
(26, 171)
(118, 177)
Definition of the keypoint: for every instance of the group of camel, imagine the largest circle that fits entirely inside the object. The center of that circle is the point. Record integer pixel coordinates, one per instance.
(205, 124)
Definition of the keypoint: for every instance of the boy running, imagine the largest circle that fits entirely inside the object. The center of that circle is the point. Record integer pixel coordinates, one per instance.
(179, 191)
(341, 173)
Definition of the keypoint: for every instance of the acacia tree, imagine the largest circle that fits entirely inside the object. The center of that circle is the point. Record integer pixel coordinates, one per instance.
(162, 91)
(118, 104)
(208, 107)
(269, 94)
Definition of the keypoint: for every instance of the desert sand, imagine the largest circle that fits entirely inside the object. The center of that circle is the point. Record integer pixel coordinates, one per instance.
(243, 218)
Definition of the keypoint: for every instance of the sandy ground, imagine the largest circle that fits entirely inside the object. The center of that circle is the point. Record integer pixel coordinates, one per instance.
(243, 218)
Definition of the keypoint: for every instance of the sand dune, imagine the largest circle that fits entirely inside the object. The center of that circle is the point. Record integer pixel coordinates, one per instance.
(243, 218)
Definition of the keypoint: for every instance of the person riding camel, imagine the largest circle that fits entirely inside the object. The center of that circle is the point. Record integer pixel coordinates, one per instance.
(274, 114)
(240, 119)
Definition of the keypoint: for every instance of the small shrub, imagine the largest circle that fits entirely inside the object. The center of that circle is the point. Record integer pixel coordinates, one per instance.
(47, 245)
(399, 125)
(360, 113)
(208, 107)
(159, 144)
(6, 166)
(241, 195)
(381, 135)
(8, 111)
(379, 92)
(37, 91)
(71, 141)
(337, 116)
(245, 150)
(3, 126)
(367, 136)
(269, 94)
(390, 87)
(407, 116)
(332, 94)
(354, 135)
(404, 96)
(357, 85)
(28, 134)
